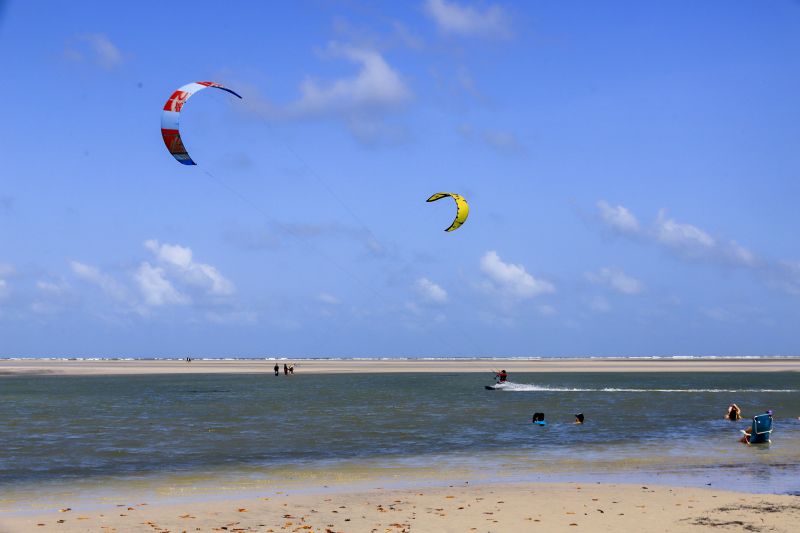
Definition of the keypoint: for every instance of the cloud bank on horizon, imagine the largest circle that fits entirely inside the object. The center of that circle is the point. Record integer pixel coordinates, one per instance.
(631, 192)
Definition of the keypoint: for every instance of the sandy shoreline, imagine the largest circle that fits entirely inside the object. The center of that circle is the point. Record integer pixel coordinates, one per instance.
(418, 502)
(461, 508)
(84, 367)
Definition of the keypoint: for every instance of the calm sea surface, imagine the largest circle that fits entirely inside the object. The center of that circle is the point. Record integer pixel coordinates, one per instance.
(647, 427)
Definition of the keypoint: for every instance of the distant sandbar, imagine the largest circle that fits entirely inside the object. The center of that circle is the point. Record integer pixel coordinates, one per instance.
(364, 366)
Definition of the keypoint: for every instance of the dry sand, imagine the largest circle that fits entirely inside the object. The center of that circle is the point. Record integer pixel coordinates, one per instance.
(463, 508)
(303, 366)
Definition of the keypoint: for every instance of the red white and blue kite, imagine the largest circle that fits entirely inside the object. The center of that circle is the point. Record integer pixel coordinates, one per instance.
(170, 118)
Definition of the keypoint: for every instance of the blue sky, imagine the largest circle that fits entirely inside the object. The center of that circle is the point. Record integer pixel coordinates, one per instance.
(631, 167)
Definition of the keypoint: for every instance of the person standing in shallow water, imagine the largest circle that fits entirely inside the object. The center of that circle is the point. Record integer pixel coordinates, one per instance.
(276, 369)
(734, 413)
(285, 369)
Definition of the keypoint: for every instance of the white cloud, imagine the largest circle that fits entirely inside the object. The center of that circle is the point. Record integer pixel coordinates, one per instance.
(174, 278)
(617, 280)
(678, 235)
(682, 239)
(512, 280)
(377, 35)
(51, 298)
(328, 299)
(363, 101)
(690, 242)
(618, 218)
(738, 254)
(430, 291)
(48, 287)
(156, 289)
(170, 253)
(456, 19)
(694, 243)
(107, 284)
(376, 86)
(97, 48)
(179, 259)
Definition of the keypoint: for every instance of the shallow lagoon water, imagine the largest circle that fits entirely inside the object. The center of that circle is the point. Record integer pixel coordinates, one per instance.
(256, 431)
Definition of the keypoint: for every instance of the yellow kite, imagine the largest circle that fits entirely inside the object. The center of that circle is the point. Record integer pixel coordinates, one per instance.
(462, 208)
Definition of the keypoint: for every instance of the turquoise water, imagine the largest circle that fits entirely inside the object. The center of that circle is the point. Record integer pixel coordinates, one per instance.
(644, 427)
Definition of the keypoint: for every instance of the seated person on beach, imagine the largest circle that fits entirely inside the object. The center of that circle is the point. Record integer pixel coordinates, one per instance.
(734, 413)
(502, 376)
(746, 437)
(579, 418)
(749, 431)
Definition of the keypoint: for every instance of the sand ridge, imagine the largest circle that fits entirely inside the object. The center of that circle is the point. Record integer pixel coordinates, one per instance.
(356, 366)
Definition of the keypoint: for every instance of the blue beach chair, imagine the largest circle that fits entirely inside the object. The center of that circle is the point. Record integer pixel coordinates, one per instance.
(761, 429)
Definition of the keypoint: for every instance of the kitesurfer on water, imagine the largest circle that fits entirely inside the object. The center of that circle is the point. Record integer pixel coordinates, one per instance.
(502, 376)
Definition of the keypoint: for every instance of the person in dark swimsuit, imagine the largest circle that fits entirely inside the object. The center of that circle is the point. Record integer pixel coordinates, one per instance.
(734, 413)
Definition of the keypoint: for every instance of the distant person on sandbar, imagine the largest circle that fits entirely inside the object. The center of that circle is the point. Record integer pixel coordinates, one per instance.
(579, 418)
(734, 413)
(291, 369)
(276, 369)
(285, 369)
(501, 376)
